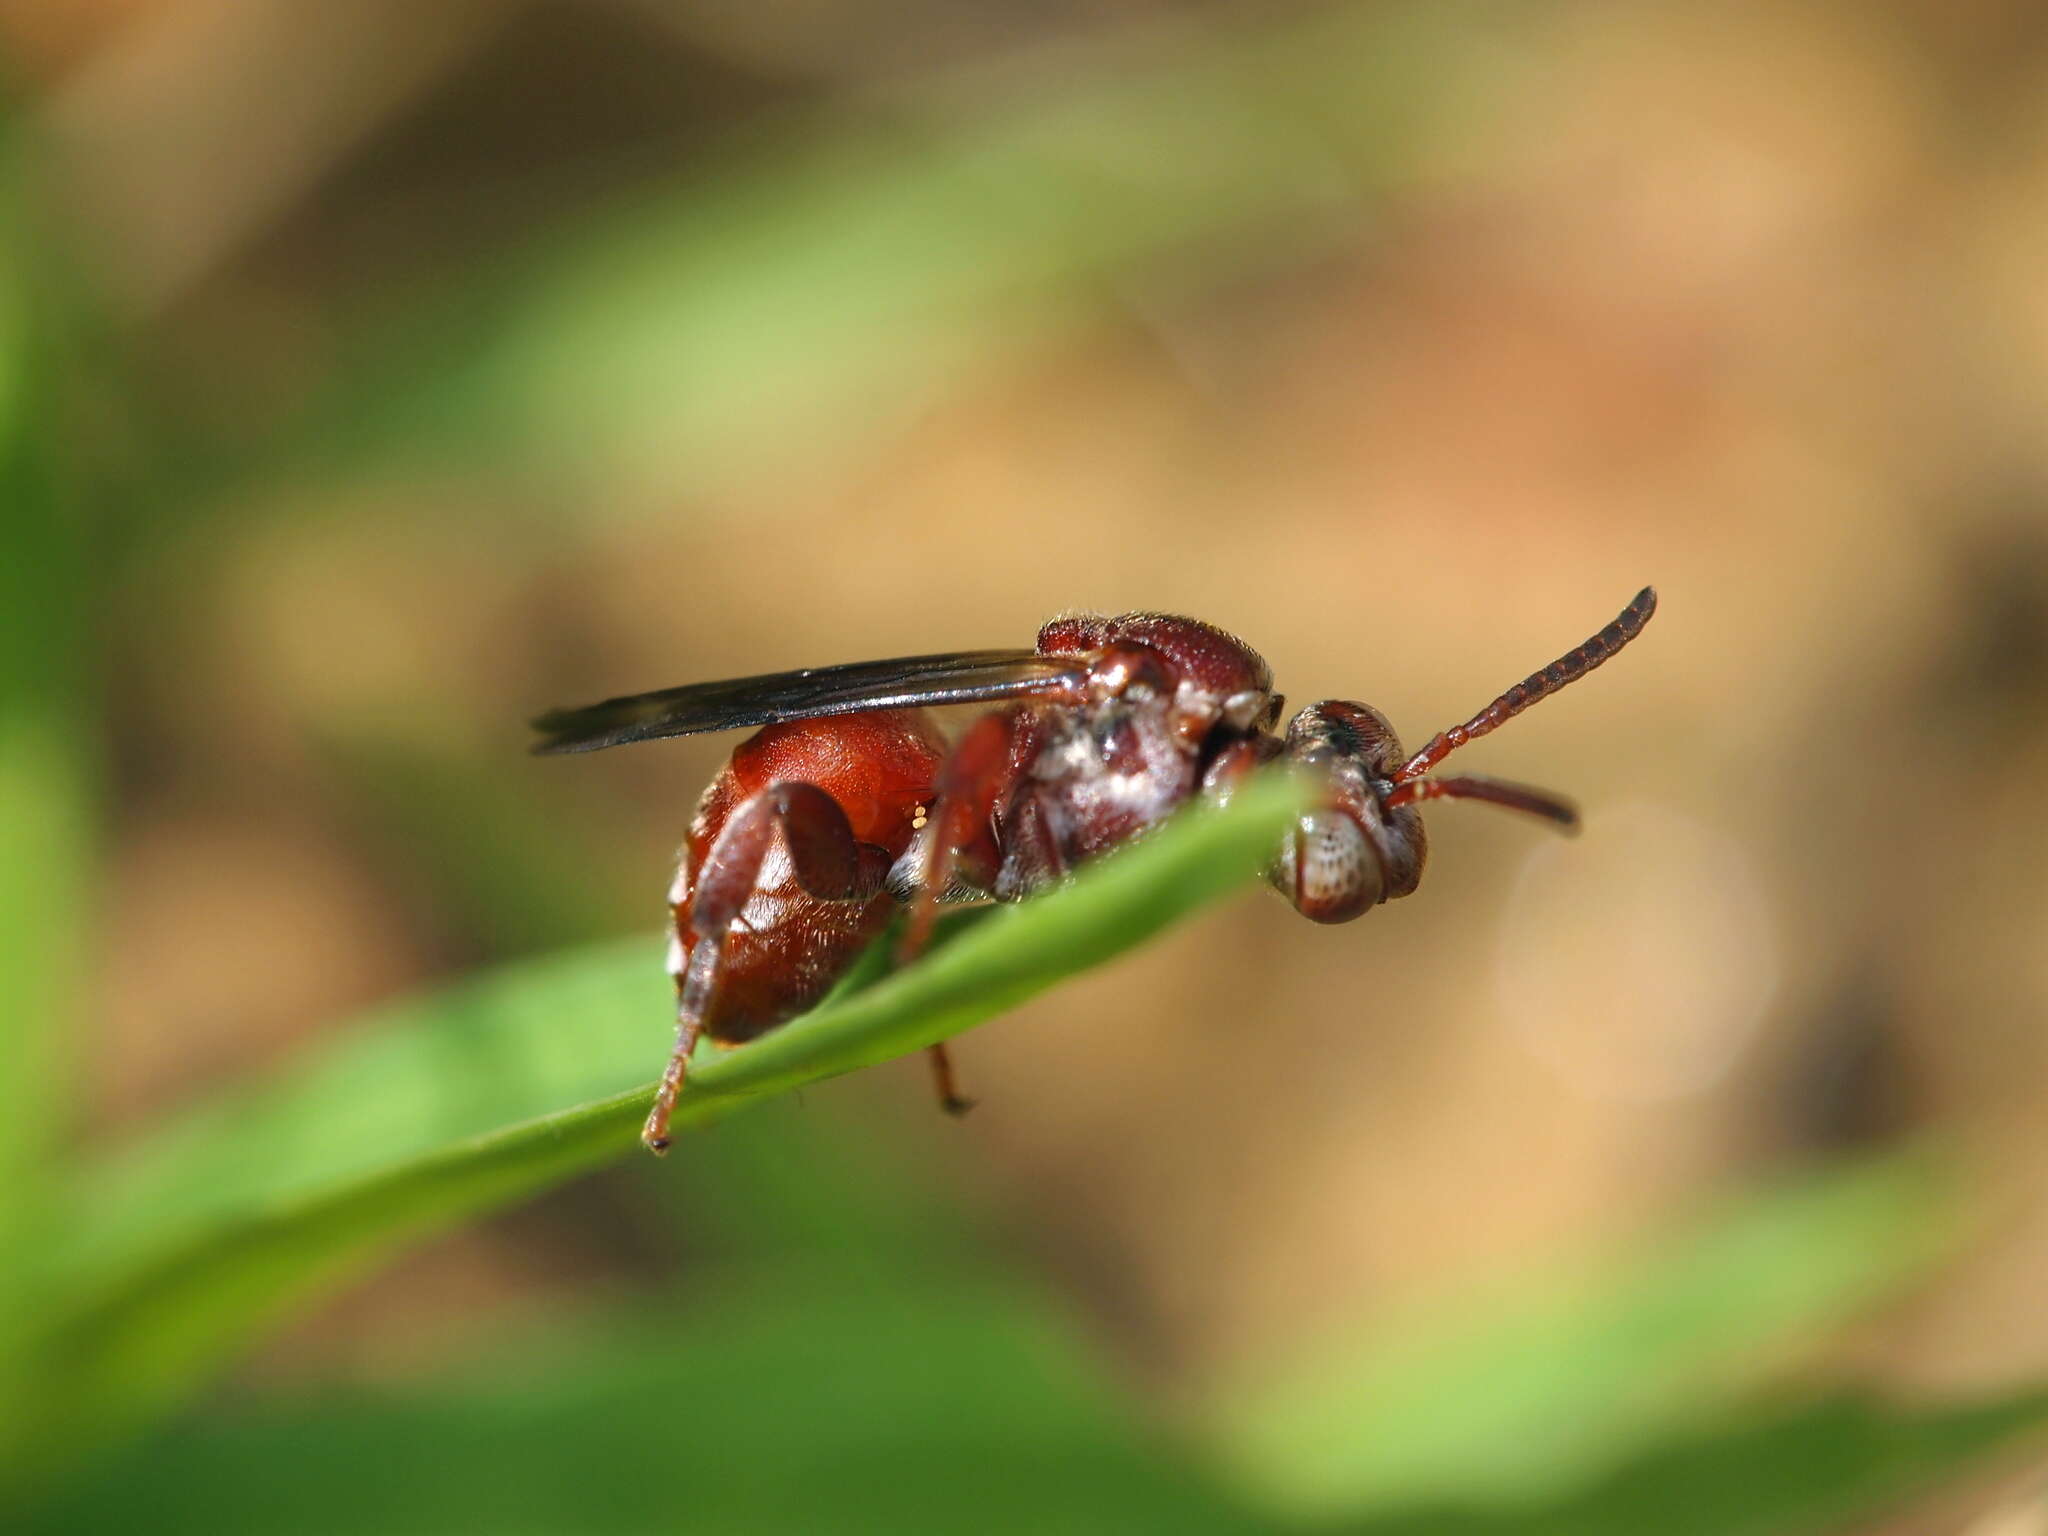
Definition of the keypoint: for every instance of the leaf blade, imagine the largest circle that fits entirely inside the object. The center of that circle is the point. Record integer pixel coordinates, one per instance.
(1529, 1396)
(217, 1231)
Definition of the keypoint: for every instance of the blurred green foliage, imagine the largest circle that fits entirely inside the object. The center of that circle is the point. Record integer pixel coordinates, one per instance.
(48, 775)
(1562, 1377)
(878, 1416)
(203, 1234)
(921, 1384)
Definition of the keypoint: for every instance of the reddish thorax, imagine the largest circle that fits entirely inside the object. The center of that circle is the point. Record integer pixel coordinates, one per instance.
(1161, 697)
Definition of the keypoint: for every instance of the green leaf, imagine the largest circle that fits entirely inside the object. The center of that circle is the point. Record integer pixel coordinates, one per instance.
(1512, 1400)
(47, 751)
(785, 1406)
(1804, 1468)
(182, 1249)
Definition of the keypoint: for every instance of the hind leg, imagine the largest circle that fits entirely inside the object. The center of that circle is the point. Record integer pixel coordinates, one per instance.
(829, 863)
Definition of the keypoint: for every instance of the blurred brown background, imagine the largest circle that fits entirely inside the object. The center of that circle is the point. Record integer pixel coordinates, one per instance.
(509, 353)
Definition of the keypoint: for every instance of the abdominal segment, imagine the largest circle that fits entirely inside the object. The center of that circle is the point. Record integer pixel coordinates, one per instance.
(770, 974)
(781, 948)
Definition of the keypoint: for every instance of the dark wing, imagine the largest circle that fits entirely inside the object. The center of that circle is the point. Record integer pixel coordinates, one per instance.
(957, 677)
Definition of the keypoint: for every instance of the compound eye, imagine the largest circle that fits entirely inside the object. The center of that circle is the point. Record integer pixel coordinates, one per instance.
(1346, 729)
(1328, 868)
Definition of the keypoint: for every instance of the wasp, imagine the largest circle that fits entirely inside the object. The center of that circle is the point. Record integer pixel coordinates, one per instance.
(846, 803)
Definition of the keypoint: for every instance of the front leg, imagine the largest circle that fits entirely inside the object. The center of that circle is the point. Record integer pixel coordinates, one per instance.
(959, 854)
(829, 864)
(1236, 763)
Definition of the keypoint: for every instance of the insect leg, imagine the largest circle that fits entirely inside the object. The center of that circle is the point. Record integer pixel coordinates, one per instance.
(951, 1099)
(958, 852)
(1236, 763)
(828, 863)
(959, 848)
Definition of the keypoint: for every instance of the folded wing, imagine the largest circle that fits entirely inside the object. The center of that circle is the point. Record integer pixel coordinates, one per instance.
(954, 677)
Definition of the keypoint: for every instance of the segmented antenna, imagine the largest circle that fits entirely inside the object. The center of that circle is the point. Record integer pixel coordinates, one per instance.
(1553, 808)
(1570, 667)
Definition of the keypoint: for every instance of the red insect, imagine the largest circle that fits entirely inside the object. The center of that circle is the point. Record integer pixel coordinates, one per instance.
(846, 801)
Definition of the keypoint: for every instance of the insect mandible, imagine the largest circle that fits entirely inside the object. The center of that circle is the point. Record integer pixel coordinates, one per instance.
(846, 802)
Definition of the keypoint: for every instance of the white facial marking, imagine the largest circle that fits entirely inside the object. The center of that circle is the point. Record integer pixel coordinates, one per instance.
(1240, 710)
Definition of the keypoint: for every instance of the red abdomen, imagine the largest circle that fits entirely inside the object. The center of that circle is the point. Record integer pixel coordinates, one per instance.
(788, 947)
